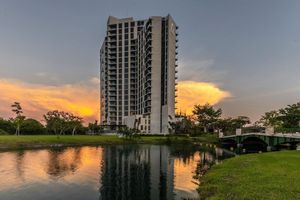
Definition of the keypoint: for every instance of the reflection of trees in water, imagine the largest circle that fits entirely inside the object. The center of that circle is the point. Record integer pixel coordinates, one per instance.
(209, 157)
(205, 163)
(184, 152)
(20, 164)
(63, 161)
(134, 172)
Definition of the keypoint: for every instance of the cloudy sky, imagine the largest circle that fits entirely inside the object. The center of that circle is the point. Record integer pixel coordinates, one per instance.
(241, 55)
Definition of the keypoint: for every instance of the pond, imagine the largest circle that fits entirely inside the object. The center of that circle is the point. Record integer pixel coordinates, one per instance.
(105, 172)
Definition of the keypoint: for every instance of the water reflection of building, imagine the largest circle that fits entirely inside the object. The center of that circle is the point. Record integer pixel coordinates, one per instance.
(144, 172)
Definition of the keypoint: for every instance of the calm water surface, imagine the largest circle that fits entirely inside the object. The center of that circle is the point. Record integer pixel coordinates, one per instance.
(108, 172)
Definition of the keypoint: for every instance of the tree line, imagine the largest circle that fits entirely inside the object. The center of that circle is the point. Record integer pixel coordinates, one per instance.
(207, 119)
(283, 120)
(204, 119)
(54, 122)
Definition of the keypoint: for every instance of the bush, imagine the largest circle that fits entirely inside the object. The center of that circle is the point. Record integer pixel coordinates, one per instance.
(2, 132)
(32, 127)
(287, 130)
(7, 126)
(129, 132)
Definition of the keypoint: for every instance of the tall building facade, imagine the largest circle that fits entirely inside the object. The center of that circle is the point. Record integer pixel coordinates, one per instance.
(138, 66)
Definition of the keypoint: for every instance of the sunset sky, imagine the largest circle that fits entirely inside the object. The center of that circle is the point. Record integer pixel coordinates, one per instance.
(240, 55)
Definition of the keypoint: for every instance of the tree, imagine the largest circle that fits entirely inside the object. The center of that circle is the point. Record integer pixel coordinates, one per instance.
(32, 127)
(59, 122)
(74, 122)
(7, 126)
(54, 122)
(270, 119)
(229, 125)
(94, 128)
(284, 120)
(183, 126)
(18, 120)
(206, 115)
(241, 121)
(290, 116)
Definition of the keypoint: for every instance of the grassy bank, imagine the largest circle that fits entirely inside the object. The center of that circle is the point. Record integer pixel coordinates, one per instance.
(274, 175)
(38, 141)
(207, 138)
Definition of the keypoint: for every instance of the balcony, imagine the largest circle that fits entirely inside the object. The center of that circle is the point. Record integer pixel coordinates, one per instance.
(112, 108)
(112, 94)
(112, 101)
(112, 83)
(112, 89)
(112, 52)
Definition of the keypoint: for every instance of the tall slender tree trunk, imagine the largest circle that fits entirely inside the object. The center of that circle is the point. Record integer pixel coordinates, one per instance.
(17, 130)
(73, 132)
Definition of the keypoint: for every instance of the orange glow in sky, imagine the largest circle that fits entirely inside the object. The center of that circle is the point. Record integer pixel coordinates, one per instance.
(83, 98)
(191, 93)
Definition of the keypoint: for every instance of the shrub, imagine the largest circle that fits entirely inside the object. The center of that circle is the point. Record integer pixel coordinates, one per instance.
(129, 132)
(2, 132)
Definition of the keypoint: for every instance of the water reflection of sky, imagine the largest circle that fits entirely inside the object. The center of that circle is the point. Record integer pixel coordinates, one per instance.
(96, 172)
(184, 183)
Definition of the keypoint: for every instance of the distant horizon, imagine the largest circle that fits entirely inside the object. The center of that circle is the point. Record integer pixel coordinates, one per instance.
(242, 57)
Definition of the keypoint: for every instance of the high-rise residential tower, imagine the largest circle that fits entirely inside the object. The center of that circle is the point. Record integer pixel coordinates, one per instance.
(138, 64)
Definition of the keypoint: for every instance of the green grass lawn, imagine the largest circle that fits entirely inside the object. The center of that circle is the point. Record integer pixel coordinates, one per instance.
(208, 138)
(274, 175)
(13, 142)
